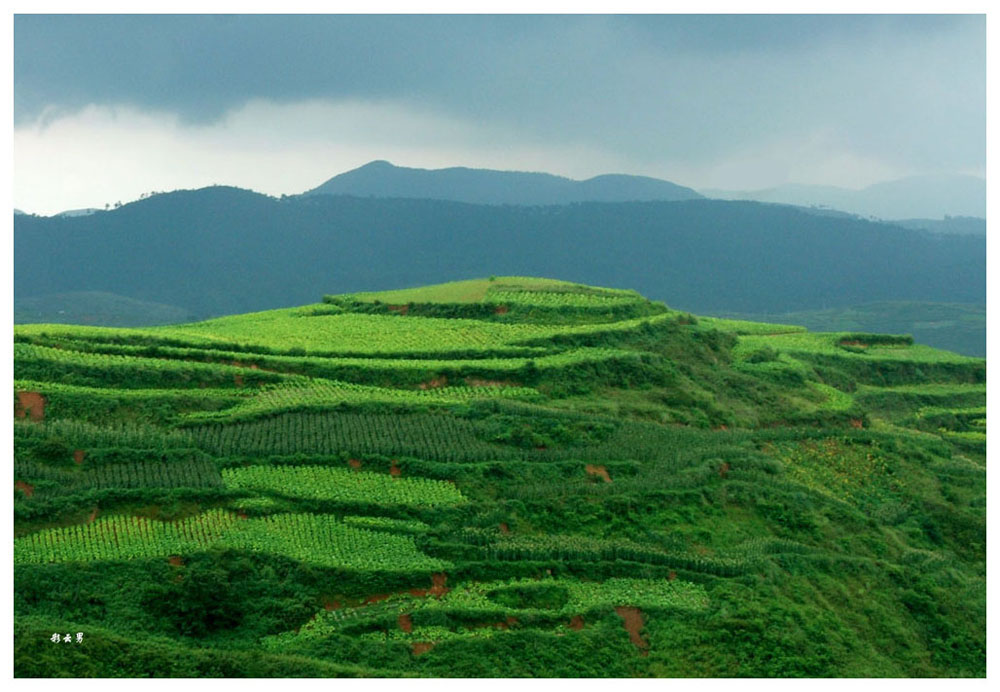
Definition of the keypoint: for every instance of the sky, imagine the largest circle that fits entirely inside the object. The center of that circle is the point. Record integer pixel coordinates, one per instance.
(109, 107)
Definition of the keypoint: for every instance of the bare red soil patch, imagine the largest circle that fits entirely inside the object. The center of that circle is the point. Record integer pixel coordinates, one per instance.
(422, 647)
(241, 515)
(175, 560)
(501, 310)
(93, 515)
(504, 528)
(30, 405)
(724, 469)
(330, 605)
(599, 471)
(576, 622)
(238, 380)
(78, 455)
(437, 589)
(632, 621)
(405, 623)
(434, 383)
(354, 463)
(438, 582)
(239, 364)
(857, 423)
(394, 470)
(859, 344)
(672, 575)
(25, 488)
(401, 309)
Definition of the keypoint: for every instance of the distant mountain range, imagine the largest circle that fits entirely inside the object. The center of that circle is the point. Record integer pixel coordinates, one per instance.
(931, 197)
(946, 204)
(483, 186)
(223, 250)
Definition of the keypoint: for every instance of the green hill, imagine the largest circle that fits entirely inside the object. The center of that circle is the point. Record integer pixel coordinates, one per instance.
(507, 476)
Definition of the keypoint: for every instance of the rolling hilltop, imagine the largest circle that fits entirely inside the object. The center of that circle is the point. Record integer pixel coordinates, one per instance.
(500, 477)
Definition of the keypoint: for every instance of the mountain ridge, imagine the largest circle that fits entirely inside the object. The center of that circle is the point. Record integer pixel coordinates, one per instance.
(381, 178)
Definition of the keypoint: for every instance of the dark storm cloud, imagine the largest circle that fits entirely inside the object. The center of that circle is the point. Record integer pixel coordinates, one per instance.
(200, 66)
(813, 98)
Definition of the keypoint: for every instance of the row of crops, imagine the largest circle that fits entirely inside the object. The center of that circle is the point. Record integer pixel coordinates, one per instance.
(558, 299)
(433, 436)
(589, 549)
(322, 540)
(85, 435)
(320, 395)
(33, 362)
(343, 485)
(145, 474)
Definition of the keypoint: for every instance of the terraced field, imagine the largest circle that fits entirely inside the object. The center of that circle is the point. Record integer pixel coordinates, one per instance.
(500, 477)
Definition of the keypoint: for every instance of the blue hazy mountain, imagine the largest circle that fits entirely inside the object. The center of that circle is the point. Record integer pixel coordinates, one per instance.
(484, 186)
(915, 197)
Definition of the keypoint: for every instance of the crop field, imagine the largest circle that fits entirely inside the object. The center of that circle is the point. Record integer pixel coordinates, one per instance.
(315, 539)
(327, 394)
(485, 290)
(325, 483)
(846, 345)
(496, 477)
(554, 600)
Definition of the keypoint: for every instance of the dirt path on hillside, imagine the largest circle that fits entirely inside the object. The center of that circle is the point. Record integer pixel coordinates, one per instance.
(598, 471)
(632, 622)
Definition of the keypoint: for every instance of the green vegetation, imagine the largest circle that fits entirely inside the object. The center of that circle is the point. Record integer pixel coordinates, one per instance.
(323, 483)
(314, 539)
(506, 476)
(959, 327)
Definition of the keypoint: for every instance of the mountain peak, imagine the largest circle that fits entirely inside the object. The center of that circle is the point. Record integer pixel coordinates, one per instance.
(376, 164)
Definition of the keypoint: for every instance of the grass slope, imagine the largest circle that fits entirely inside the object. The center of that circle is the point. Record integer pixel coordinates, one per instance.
(500, 477)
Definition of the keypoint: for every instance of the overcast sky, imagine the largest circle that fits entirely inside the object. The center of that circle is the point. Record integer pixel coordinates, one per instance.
(109, 107)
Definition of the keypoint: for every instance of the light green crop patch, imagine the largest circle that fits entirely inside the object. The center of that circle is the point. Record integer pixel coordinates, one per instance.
(316, 539)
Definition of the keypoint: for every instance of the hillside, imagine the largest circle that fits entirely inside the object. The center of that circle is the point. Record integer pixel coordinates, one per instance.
(949, 224)
(239, 251)
(508, 477)
(484, 186)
